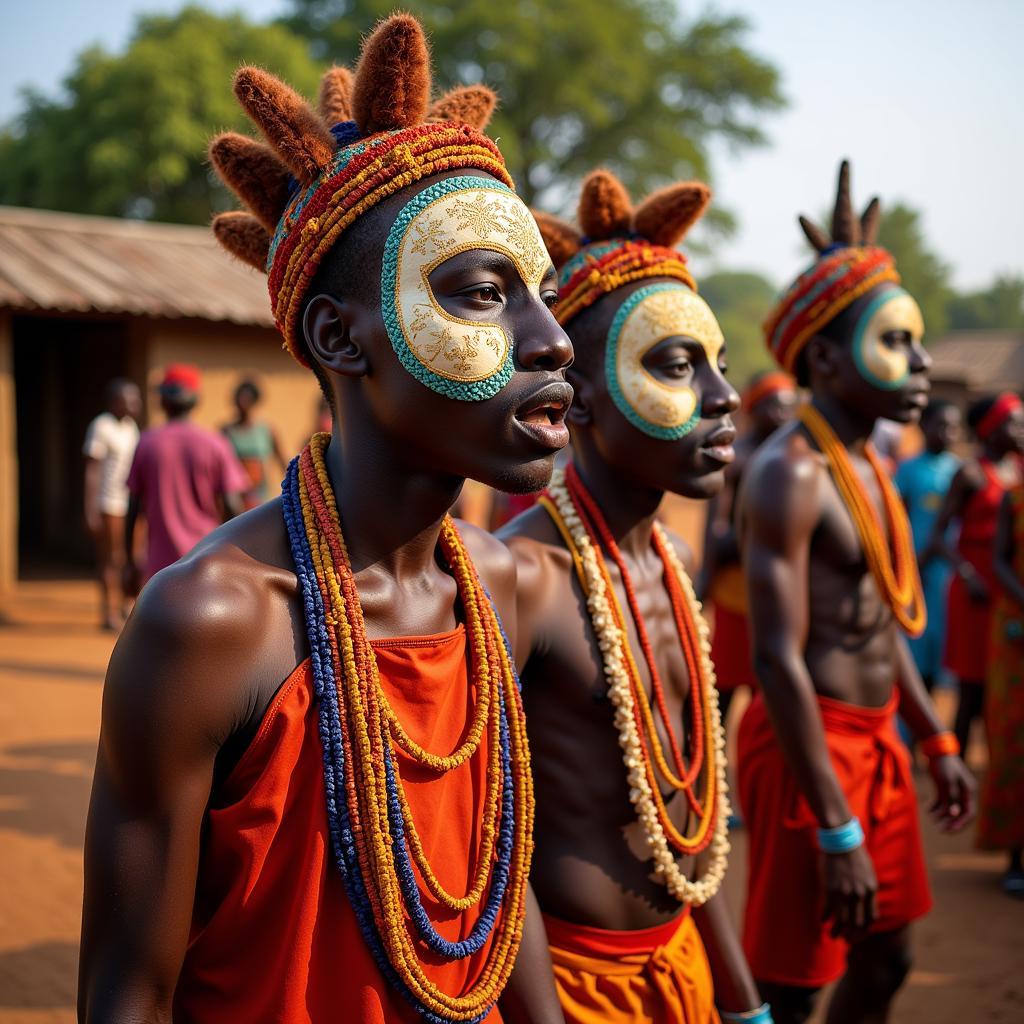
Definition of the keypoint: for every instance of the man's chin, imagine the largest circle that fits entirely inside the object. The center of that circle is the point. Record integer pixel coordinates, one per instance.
(525, 478)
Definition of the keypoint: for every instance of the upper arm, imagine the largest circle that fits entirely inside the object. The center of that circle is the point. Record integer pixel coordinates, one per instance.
(782, 508)
(964, 484)
(170, 700)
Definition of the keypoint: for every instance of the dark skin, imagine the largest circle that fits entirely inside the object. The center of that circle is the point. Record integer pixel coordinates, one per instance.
(213, 636)
(590, 864)
(246, 400)
(720, 544)
(820, 627)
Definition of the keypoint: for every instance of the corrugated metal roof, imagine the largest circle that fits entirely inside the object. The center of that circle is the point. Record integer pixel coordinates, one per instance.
(72, 263)
(982, 360)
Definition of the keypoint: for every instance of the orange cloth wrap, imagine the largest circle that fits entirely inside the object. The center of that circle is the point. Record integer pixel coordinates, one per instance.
(273, 935)
(783, 935)
(658, 975)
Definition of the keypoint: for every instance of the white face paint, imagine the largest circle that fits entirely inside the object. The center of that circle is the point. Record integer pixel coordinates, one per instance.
(646, 318)
(878, 363)
(463, 359)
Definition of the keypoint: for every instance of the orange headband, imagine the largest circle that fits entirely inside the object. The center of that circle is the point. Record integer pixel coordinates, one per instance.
(1002, 409)
(764, 387)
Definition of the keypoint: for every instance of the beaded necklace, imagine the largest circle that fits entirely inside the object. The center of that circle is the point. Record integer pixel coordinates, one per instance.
(373, 835)
(584, 530)
(899, 583)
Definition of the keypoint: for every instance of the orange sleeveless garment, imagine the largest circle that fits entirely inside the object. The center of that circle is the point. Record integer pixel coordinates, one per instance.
(273, 936)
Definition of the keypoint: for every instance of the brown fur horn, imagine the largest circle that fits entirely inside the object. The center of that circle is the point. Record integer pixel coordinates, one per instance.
(252, 171)
(392, 84)
(562, 240)
(287, 122)
(665, 216)
(243, 236)
(814, 234)
(869, 221)
(471, 104)
(605, 208)
(335, 104)
(845, 228)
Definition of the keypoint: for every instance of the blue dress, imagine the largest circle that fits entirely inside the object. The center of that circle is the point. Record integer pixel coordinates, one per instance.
(923, 482)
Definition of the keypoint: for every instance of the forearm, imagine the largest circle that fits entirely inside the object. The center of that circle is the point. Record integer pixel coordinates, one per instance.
(90, 502)
(916, 706)
(530, 996)
(735, 988)
(793, 708)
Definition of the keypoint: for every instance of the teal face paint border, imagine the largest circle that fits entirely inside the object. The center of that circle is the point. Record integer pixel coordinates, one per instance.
(858, 341)
(611, 351)
(463, 391)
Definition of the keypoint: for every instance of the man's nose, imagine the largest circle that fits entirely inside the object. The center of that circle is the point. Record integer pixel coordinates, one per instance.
(719, 397)
(920, 358)
(543, 345)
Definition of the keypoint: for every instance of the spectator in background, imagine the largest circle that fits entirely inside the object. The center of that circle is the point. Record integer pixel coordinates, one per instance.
(109, 448)
(924, 482)
(185, 480)
(254, 442)
(973, 500)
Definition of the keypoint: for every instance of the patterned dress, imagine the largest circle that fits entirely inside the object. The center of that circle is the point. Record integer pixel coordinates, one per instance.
(1001, 818)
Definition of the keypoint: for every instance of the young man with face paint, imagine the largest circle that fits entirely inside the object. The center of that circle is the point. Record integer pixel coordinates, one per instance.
(632, 806)
(769, 402)
(837, 872)
(313, 797)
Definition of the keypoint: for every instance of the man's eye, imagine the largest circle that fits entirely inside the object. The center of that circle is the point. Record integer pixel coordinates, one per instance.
(678, 369)
(550, 299)
(484, 293)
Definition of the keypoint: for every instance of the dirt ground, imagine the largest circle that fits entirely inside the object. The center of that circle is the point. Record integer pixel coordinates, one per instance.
(968, 964)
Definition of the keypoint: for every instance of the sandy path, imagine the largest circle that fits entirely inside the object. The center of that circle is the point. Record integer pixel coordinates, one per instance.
(969, 962)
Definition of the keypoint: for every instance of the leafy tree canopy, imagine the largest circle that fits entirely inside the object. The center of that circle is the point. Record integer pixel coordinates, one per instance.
(630, 84)
(129, 136)
(999, 306)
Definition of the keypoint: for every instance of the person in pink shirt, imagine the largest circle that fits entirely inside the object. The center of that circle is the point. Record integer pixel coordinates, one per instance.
(185, 480)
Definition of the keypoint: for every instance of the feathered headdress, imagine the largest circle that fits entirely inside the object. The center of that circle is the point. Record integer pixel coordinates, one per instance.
(376, 132)
(849, 264)
(618, 243)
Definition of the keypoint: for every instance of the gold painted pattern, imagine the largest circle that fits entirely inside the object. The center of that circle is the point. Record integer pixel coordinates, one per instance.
(900, 313)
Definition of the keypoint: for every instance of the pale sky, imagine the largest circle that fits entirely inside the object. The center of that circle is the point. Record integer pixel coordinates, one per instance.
(924, 96)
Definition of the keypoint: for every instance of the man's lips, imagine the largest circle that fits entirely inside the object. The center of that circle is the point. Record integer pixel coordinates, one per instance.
(718, 445)
(542, 415)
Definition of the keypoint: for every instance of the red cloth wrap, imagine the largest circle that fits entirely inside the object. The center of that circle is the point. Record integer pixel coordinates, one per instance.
(784, 937)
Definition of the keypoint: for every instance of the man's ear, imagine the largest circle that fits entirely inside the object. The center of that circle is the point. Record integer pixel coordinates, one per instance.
(579, 412)
(327, 325)
(822, 357)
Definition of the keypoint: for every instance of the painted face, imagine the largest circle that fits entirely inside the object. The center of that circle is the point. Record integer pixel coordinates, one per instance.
(880, 365)
(646, 318)
(463, 359)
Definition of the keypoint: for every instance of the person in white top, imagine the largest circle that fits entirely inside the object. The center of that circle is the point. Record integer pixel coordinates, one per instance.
(109, 448)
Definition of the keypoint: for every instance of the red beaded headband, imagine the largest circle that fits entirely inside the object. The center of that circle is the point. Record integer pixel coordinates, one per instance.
(1002, 409)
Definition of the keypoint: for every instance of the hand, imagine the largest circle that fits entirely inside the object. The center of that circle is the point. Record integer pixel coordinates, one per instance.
(850, 887)
(93, 523)
(977, 588)
(131, 579)
(953, 807)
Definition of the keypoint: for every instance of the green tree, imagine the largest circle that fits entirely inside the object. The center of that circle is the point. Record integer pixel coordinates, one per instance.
(741, 300)
(999, 306)
(129, 136)
(924, 273)
(630, 84)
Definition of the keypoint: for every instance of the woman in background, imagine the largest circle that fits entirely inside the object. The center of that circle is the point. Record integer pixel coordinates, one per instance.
(254, 442)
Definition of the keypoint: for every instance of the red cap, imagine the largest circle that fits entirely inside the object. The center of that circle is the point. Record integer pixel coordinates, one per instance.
(182, 376)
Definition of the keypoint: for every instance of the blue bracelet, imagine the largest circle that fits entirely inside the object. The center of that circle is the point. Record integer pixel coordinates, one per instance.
(842, 838)
(762, 1015)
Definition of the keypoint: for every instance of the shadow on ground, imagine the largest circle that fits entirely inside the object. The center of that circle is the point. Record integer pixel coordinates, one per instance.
(44, 789)
(39, 977)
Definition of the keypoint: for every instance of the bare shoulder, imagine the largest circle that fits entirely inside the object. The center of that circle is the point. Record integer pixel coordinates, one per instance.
(782, 486)
(538, 550)
(212, 629)
(969, 477)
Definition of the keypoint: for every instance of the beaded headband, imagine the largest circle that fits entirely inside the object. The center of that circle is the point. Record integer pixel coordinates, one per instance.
(1002, 409)
(376, 133)
(849, 265)
(764, 386)
(619, 244)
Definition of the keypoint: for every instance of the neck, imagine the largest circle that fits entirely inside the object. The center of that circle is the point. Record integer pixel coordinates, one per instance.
(402, 541)
(937, 449)
(628, 510)
(244, 419)
(852, 428)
